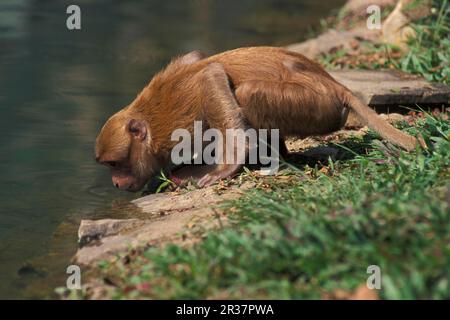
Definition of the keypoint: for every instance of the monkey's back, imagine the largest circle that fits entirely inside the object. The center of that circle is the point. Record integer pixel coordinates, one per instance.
(280, 89)
(265, 63)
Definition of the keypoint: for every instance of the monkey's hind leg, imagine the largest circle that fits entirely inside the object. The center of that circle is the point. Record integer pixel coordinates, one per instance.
(222, 112)
(283, 151)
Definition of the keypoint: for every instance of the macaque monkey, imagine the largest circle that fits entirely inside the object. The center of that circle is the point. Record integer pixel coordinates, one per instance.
(256, 87)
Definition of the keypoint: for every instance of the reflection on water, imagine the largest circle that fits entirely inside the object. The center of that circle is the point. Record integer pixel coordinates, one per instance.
(57, 87)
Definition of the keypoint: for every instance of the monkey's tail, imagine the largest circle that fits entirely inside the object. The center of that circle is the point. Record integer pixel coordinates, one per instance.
(382, 127)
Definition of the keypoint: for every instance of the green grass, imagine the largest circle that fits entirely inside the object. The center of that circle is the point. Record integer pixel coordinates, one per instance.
(429, 51)
(320, 232)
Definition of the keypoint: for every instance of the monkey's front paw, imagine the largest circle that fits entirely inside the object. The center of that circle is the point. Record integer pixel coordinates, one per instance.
(207, 180)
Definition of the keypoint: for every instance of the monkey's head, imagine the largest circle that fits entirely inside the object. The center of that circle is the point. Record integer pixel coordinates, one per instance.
(124, 145)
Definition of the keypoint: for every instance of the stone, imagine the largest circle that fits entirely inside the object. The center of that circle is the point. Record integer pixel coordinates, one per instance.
(391, 88)
(148, 232)
(333, 40)
(163, 203)
(169, 214)
(90, 230)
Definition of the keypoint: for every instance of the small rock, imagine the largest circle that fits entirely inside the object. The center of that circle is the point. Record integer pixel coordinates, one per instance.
(333, 40)
(95, 230)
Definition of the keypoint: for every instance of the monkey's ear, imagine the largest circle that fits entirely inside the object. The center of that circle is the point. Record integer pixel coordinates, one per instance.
(137, 129)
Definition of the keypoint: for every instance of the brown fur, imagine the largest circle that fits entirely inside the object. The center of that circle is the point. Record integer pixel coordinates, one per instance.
(258, 87)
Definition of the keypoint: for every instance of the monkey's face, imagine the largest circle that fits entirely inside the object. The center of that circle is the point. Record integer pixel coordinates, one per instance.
(123, 145)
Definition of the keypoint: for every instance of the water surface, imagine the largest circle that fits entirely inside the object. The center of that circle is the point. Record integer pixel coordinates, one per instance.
(57, 87)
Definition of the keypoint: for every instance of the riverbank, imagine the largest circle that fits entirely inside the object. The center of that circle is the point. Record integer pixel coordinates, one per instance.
(312, 230)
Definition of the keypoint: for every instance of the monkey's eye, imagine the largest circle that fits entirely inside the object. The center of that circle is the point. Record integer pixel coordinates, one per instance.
(112, 164)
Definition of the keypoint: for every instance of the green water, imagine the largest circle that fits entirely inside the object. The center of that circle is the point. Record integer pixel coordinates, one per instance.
(57, 87)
